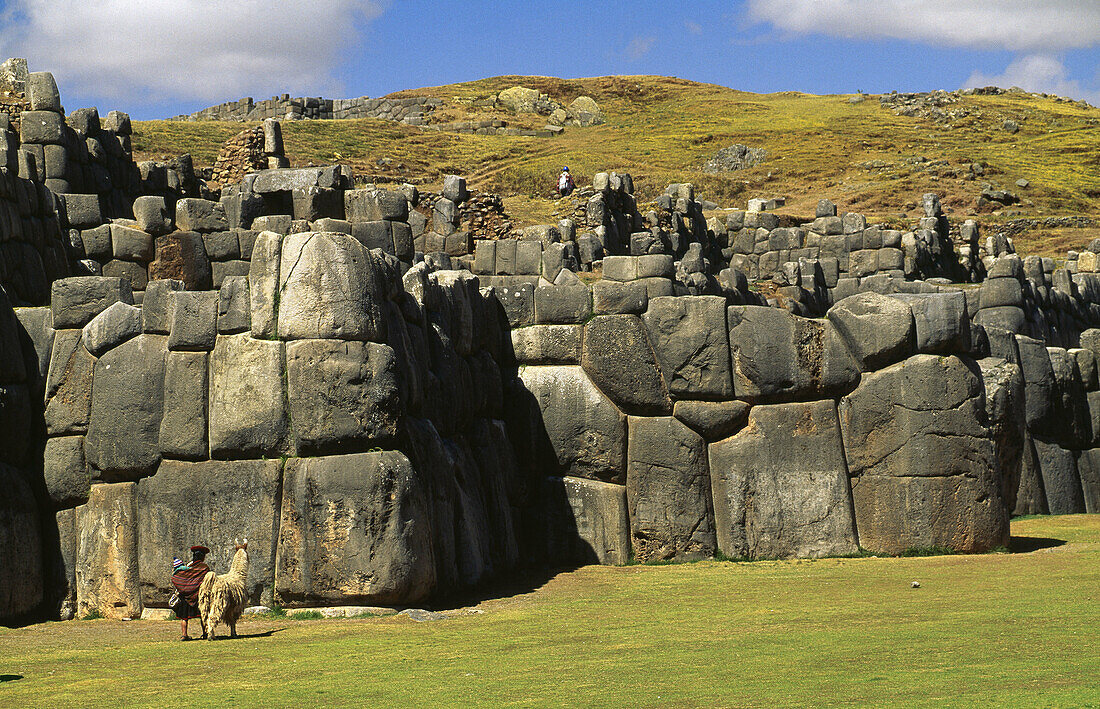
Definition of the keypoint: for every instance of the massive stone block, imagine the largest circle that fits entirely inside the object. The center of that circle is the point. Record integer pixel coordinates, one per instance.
(879, 330)
(127, 405)
(1004, 408)
(68, 385)
(668, 491)
(1061, 481)
(922, 461)
(618, 357)
(1038, 385)
(941, 320)
(21, 581)
(65, 472)
(107, 553)
(780, 486)
(586, 521)
(213, 503)
(581, 429)
(183, 427)
(181, 256)
(778, 356)
(329, 289)
(75, 301)
(690, 339)
(247, 402)
(355, 530)
(263, 284)
(343, 395)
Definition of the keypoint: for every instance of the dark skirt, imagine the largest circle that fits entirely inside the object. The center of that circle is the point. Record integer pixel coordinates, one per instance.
(184, 610)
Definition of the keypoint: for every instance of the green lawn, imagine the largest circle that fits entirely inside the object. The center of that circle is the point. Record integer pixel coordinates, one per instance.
(992, 630)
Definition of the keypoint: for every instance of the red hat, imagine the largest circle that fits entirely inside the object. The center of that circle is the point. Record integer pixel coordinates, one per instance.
(199, 547)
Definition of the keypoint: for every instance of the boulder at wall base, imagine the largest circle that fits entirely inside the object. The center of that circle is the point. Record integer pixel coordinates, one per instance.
(580, 429)
(354, 529)
(1004, 407)
(781, 485)
(329, 287)
(1088, 467)
(922, 462)
(586, 522)
(668, 491)
(127, 406)
(21, 574)
(1061, 481)
(213, 503)
(107, 553)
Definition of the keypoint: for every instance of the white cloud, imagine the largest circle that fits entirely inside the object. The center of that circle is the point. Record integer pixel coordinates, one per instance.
(208, 50)
(1020, 25)
(693, 27)
(1038, 73)
(639, 47)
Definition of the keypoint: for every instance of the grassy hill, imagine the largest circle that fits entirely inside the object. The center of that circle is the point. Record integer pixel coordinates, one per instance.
(662, 130)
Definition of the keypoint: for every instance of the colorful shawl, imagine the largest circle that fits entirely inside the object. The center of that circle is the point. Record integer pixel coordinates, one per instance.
(187, 581)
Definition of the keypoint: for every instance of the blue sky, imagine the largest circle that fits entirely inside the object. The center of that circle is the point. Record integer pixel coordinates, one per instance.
(158, 58)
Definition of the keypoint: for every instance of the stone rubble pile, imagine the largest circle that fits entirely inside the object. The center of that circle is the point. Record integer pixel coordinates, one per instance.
(253, 149)
(410, 111)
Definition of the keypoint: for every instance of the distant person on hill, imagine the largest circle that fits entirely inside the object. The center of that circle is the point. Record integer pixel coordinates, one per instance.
(565, 183)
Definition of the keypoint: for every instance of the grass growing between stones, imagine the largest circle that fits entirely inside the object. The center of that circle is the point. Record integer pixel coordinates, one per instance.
(992, 630)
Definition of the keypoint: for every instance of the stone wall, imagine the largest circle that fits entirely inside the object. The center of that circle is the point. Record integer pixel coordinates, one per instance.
(307, 365)
(410, 111)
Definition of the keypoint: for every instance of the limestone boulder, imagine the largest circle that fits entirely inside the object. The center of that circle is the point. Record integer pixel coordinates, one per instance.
(247, 400)
(21, 583)
(579, 432)
(923, 465)
(941, 321)
(668, 491)
(547, 344)
(1004, 409)
(690, 338)
(713, 420)
(329, 288)
(127, 406)
(879, 329)
(213, 503)
(181, 256)
(780, 357)
(65, 472)
(343, 395)
(618, 356)
(115, 325)
(1060, 478)
(183, 426)
(106, 575)
(68, 385)
(780, 486)
(586, 521)
(354, 530)
(75, 301)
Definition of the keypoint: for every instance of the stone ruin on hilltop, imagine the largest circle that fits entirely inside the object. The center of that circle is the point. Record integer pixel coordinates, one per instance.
(391, 412)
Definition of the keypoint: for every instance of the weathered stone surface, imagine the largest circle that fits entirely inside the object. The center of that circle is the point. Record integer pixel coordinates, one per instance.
(115, 325)
(65, 472)
(582, 431)
(941, 320)
(247, 402)
(212, 503)
(923, 464)
(1061, 481)
(354, 529)
(135, 273)
(1004, 408)
(562, 304)
(613, 298)
(879, 330)
(1038, 386)
(181, 255)
(689, 337)
(193, 318)
(75, 301)
(131, 244)
(618, 357)
(668, 491)
(780, 486)
(778, 356)
(183, 428)
(234, 306)
(1088, 467)
(200, 215)
(713, 420)
(107, 553)
(343, 395)
(127, 405)
(68, 385)
(21, 583)
(263, 284)
(152, 215)
(547, 344)
(329, 289)
(586, 521)
(154, 306)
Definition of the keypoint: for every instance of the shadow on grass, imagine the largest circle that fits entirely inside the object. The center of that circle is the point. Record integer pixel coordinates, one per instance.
(10, 678)
(248, 636)
(1022, 545)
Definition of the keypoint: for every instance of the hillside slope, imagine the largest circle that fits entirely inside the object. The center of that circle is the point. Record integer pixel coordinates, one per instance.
(661, 130)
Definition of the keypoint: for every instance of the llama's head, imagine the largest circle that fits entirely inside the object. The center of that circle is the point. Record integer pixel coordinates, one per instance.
(240, 545)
